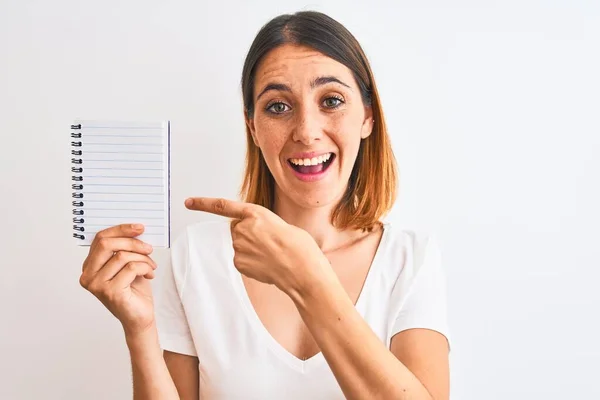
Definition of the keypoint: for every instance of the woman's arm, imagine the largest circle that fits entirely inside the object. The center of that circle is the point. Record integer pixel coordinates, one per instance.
(268, 249)
(151, 378)
(362, 365)
(185, 374)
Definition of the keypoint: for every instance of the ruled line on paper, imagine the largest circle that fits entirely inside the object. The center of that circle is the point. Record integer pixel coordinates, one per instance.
(121, 144)
(125, 209)
(108, 226)
(143, 234)
(119, 135)
(120, 127)
(119, 152)
(128, 169)
(86, 192)
(135, 208)
(121, 201)
(118, 177)
(120, 184)
(117, 216)
(91, 159)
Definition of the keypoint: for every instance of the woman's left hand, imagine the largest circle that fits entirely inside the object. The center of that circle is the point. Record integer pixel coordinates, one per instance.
(266, 247)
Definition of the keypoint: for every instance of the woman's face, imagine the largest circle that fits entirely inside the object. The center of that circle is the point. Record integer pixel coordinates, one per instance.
(309, 120)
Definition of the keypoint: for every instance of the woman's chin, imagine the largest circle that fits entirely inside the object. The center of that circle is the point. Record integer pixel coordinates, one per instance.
(315, 194)
(316, 198)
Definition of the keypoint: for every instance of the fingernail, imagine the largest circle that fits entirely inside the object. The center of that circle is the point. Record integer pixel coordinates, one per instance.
(189, 202)
(147, 247)
(137, 226)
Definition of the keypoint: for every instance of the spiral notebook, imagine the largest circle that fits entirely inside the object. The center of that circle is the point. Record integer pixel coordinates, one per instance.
(122, 175)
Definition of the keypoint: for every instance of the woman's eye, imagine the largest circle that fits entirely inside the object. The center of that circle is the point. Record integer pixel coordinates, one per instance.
(277, 108)
(280, 108)
(332, 102)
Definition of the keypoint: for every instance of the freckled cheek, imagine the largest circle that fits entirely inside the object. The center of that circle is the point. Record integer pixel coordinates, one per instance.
(271, 137)
(344, 133)
(347, 139)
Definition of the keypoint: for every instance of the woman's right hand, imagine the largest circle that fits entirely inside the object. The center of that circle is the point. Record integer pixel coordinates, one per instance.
(117, 271)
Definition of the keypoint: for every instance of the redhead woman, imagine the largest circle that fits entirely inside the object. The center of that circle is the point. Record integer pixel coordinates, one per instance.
(300, 291)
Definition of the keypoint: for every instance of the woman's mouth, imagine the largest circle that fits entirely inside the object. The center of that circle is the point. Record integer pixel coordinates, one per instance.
(310, 168)
(312, 165)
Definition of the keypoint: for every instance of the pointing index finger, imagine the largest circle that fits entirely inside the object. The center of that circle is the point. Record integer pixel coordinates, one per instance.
(223, 207)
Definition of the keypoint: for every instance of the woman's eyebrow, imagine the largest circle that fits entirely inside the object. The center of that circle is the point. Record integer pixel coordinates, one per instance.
(320, 81)
(274, 86)
(323, 80)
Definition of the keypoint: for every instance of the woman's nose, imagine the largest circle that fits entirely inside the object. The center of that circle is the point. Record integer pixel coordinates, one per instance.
(308, 129)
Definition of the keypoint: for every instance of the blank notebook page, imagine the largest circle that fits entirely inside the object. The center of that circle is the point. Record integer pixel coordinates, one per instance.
(120, 173)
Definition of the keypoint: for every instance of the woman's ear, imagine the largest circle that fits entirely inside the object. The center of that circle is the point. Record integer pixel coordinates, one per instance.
(368, 123)
(250, 125)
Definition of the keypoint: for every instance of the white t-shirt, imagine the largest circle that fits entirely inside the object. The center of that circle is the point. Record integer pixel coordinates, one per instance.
(203, 309)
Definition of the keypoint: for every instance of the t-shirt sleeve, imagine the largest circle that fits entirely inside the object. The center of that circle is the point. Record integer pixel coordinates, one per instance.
(169, 285)
(425, 303)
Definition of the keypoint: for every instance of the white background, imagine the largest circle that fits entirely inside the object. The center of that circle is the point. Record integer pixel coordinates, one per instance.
(493, 109)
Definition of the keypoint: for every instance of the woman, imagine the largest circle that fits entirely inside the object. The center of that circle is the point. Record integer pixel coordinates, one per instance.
(304, 293)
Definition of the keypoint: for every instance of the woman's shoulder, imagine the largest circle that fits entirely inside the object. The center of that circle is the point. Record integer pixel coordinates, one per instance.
(414, 239)
(415, 246)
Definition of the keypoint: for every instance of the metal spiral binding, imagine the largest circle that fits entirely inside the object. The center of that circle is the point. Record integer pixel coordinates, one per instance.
(79, 186)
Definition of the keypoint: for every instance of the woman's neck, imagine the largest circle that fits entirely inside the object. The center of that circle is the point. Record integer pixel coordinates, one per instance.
(316, 221)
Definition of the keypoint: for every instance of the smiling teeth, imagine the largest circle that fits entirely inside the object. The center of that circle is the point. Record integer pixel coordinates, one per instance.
(311, 161)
